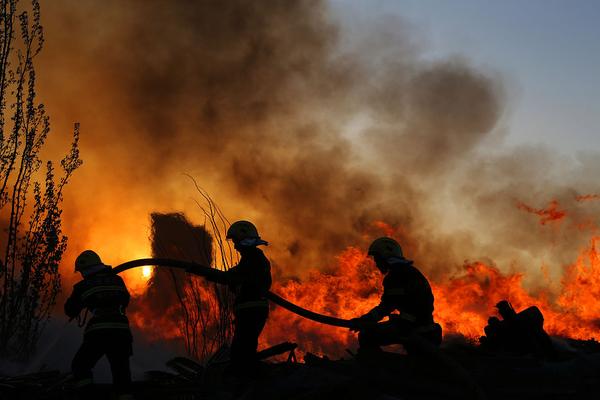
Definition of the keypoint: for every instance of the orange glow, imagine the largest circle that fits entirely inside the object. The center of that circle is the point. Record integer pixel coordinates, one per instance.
(147, 272)
(386, 229)
(169, 321)
(551, 213)
(137, 279)
(463, 301)
(587, 197)
(156, 326)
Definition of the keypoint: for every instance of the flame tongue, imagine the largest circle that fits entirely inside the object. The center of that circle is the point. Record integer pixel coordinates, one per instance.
(462, 303)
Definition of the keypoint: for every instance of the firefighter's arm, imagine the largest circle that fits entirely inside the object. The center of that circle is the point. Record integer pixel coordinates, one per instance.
(234, 276)
(385, 307)
(372, 317)
(73, 305)
(377, 313)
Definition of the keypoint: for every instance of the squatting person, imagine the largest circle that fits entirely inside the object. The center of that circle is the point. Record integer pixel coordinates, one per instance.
(406, 290)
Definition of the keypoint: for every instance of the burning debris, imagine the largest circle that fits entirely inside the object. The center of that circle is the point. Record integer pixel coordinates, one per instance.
(552, 213)
(587, 197)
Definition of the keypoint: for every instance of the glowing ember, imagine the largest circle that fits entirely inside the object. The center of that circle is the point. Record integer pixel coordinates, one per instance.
(549, 214)
(588, 197)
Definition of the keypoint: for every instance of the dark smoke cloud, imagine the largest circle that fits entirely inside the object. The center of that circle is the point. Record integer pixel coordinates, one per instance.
(288, 124)
(175, 238)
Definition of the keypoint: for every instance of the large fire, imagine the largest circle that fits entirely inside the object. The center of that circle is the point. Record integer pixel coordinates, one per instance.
(463, 301)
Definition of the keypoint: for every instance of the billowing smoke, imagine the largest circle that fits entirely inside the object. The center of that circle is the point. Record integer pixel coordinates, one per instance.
(289, 123)
(172, 237)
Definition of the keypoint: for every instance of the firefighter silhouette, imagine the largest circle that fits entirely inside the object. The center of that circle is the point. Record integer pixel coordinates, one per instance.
(250, 281)
(105, 296)
(405, 289)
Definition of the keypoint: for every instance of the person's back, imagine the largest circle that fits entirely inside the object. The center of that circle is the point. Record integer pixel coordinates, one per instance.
(250, 281)
(409, 292)
(405, 289)
(105, 296)
(252, 276)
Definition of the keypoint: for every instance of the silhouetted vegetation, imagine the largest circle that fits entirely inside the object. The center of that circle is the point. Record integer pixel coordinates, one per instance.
(203, 309)
(31, 241)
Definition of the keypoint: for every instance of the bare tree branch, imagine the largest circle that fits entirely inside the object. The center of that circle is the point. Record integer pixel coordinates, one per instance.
(32, 250)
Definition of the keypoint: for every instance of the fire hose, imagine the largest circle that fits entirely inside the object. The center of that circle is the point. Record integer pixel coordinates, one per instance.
(218, 276)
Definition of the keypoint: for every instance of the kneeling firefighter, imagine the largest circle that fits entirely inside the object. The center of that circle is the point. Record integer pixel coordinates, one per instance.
(105, 295)
(250, 281)
(406, 290)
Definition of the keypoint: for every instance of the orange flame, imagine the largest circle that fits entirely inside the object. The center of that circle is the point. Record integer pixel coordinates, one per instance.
(549, 214)
(587, 197)
(463, 302)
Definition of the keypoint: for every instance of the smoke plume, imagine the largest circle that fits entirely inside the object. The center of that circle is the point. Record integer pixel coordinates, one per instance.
(313, 136)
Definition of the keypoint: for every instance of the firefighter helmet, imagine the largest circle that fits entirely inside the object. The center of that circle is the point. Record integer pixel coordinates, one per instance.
(385, 248)
(86, 260)
(241, 230)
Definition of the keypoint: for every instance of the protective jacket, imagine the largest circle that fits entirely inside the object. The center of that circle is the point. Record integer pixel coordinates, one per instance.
(106, 296)
(406, 290)
(250, 279)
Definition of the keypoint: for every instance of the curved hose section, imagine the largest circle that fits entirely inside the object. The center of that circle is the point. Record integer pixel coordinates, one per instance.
(215, 275)
(303, 312)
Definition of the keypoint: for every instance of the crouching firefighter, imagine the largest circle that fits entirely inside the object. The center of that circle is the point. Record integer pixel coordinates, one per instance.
(105, 296)
(406, 290)
(250, 280)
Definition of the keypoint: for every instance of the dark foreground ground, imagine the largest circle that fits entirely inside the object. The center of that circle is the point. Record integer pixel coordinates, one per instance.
(458, 371)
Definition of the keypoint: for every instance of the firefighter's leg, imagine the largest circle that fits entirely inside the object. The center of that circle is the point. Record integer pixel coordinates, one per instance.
(424, 340)
(86, 357)
(432, 334)
(248, 326)
(118, 353)
(382, 334)
(237, 344)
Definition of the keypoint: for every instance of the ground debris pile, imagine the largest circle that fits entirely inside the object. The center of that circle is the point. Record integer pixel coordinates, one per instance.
(44, 384)
(460, 370)
(518, 332)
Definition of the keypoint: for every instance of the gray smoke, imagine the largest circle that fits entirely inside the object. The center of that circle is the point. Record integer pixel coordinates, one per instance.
(313, 136)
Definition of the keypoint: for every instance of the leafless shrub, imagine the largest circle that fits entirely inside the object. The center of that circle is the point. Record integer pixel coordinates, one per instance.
(203, 314)
(32, 242)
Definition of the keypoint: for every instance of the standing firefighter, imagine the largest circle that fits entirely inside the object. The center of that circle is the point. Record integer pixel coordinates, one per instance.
(406, 290)
(104, 294)
(250, 280)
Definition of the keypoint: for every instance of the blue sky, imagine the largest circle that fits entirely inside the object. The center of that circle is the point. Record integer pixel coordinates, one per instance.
(547, 51)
